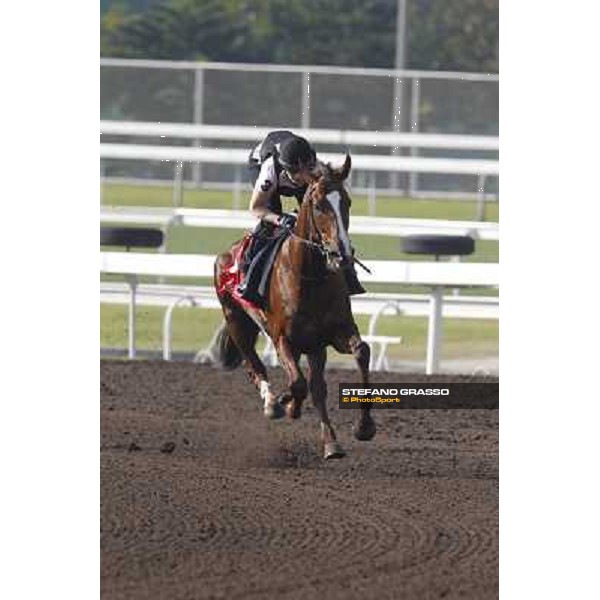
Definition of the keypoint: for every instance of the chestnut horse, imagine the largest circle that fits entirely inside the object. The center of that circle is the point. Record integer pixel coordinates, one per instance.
(308, 309)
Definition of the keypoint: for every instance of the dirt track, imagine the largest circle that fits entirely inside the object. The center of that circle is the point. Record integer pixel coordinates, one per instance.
(204, 498)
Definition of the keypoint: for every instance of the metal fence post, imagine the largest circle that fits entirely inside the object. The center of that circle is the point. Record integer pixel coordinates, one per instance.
(305, 120)
(178, 185)
(372, 198)
(132, 280)
(434, 331)
(480, 197)
(198, 118)
(168, 324)
(397, 127)
(414, 127)
(398, 84)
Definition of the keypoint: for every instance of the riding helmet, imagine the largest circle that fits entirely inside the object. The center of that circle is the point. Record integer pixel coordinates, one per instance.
(296, 153)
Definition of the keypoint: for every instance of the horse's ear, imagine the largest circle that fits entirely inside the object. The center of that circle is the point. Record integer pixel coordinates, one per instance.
(342, 173)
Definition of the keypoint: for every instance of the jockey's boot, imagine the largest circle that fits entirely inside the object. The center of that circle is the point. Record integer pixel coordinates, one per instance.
(354, 285)
(248, 289)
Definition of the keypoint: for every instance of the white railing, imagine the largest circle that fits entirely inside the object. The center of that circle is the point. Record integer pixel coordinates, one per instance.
(317, 69)
(382, 271)
(376, 305)
(316, 136)
(434, 274)
(240, 219)
(232, 156)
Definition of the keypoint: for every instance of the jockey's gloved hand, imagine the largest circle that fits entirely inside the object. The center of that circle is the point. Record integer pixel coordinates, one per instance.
(286, 220)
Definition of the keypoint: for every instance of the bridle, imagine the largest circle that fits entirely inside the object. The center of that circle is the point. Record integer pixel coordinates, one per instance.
(320, 246)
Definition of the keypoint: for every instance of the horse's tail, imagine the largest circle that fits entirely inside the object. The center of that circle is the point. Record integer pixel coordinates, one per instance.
(227, 353)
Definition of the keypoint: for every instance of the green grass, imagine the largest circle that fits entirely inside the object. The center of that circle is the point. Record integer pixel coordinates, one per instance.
(197, 240)
(193, 329)
(454, 210)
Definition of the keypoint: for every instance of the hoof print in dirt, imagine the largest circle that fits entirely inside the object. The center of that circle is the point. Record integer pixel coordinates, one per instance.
(167, 448)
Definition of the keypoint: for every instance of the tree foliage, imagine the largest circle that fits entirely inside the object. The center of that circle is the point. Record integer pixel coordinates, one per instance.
(441, 34)
(458, 35)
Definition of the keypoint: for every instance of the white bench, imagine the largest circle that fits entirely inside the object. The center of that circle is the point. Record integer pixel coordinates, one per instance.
(438, 274)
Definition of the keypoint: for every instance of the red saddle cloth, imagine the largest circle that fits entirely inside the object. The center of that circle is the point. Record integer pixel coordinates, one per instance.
(232, 275)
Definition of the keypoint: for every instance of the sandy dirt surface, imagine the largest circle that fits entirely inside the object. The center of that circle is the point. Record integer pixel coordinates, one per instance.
(202, 497)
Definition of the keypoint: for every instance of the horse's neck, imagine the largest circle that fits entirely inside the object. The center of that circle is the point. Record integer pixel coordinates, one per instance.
(301, 251)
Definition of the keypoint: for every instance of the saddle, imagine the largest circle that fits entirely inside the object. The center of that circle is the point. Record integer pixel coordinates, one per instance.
(246, 279)
(232, 275)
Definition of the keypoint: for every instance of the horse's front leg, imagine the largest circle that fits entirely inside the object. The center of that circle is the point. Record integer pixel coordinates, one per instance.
(364, 427)
(298, 389)
(318, 391)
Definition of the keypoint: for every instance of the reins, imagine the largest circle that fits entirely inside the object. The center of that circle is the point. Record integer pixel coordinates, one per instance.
(318, 246)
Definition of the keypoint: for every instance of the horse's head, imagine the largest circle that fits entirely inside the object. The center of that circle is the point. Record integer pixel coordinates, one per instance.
(326, 214)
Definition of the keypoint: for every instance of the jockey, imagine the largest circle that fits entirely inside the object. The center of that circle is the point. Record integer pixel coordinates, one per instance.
(281, 165)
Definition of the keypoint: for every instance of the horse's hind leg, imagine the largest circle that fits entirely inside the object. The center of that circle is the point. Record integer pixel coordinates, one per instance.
(318, 391)
(244, 331)
(364, 428)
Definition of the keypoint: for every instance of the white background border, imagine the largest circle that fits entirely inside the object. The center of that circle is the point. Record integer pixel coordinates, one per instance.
(549, 357)
(549, 368)
(50, 314)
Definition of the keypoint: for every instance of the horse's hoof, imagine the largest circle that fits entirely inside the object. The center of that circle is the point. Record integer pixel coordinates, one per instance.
(333, 450)
(284, 398)
(293, 410)
(274, 411)
(365, 430)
